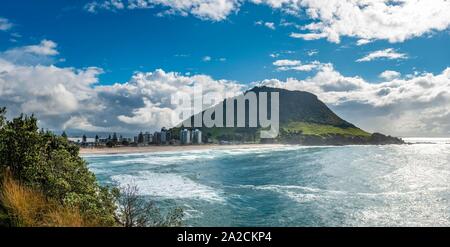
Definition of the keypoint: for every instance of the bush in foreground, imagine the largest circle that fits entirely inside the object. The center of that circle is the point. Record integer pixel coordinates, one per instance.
(47, 183)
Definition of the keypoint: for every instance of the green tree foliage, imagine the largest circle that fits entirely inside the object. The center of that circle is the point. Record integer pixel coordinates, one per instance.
(52, 165)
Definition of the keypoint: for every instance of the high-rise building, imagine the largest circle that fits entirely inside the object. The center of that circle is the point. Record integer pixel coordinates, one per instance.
(157, 138)
(163, 135)
(197, 136)
(148, 138)
(185, 136)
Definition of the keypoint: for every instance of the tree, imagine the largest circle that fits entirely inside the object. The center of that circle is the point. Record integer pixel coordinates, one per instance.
(134, 211)
(64, 135)
(50, 164)
(2, 116)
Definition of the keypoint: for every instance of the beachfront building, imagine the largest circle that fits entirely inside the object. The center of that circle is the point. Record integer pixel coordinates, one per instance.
(185, 136)
(163, 135)
(148, 138)
(157, 138)
(197, 136)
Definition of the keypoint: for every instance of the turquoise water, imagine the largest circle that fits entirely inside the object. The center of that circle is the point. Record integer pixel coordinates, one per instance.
(293, 186)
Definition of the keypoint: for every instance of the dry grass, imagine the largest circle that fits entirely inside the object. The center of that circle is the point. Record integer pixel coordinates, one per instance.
(28, 207)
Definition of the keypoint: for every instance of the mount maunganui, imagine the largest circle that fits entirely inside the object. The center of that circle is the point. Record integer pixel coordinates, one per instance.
(304, 119)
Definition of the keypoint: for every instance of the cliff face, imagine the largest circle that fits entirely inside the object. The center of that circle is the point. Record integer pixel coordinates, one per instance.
(303, 118)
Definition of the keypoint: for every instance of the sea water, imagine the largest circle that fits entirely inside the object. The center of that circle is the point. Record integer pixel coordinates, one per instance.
(394, 185)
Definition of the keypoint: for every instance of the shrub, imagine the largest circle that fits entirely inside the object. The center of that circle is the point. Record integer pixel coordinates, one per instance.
(44, 162)
(47, 183)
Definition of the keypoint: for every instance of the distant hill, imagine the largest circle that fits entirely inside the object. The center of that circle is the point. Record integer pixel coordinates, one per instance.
(304, 119)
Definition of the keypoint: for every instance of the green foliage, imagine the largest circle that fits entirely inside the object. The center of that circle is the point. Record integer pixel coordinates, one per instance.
(52, 165)
(322, 130)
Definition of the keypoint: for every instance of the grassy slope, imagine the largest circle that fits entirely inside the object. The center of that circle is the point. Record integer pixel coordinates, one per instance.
(323, 130)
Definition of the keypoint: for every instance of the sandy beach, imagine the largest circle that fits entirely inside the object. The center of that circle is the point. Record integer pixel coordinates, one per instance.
(169, 148)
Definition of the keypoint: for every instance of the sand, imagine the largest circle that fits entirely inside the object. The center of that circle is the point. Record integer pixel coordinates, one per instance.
(169, 148)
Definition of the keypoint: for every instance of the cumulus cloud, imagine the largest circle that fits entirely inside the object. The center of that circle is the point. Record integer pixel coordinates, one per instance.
(388, 53)
(5, 24)
(69, 98)
(395, 21)
(154, 90)
(419, 105)
(41, 53)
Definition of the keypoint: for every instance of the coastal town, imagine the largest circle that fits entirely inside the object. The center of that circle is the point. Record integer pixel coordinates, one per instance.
(162, 137)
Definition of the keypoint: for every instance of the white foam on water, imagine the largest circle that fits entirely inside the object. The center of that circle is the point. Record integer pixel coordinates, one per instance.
(168, 185)
(304, 194)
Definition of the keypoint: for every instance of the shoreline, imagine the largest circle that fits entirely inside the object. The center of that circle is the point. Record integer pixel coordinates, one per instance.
(171, 148)
(175, 148)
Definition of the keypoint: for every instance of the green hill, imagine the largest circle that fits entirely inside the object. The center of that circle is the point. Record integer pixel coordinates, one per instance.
(304, 119)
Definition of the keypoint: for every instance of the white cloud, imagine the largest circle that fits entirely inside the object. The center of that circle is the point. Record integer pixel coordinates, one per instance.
(312, 53)
(69, 98)
(5, 24)
(106, 4)
(82, 123)
(407, 107)
(46, 48)
(389, 75)
(388, 53)
(215, 10)
(285, 65)
(395, 21)
(45, 90)
(308, 36)
(361, 42)
(392, 20)
(286, 62)
(33, 54)
(209, 59)
(154, 91)
(269, 25)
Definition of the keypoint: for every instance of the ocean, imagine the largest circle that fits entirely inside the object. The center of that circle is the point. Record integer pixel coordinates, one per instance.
(404, 185)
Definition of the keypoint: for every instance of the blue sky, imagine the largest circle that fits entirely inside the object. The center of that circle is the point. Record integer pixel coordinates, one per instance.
(126, 41)
(242, 45)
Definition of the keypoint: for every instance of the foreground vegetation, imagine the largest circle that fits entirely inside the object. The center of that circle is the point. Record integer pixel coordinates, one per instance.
(44, 182)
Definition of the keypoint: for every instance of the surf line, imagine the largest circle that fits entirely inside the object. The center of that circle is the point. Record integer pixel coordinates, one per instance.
(194, 237)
